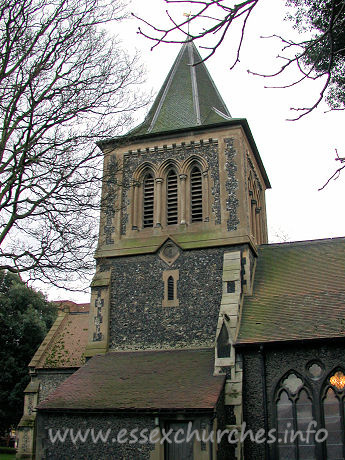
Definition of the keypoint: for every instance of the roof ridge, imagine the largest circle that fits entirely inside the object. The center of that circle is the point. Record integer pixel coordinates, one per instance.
(301, 242)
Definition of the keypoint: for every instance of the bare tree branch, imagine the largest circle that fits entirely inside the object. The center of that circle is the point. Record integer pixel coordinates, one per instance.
(320, 56)
(337, 172)
(219, 26)
(64, 84)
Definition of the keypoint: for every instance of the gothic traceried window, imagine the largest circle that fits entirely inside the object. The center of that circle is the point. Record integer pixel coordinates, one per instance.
(320, 403)
(334, 415)
(294, 412)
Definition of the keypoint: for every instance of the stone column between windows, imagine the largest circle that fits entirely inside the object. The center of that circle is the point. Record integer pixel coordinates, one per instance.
(183, 178)
(159, 182)
(205, 195)
(135, 206)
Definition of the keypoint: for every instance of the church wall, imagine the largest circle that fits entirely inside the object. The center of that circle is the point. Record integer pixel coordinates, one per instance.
(137, 318)
(225, 418)
(279, 360)
(50, 380)
(111, 425)
(86, 450)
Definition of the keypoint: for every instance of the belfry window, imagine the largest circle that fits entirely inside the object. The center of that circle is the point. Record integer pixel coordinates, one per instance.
(148, 200)
(196, 195)
(172, 198)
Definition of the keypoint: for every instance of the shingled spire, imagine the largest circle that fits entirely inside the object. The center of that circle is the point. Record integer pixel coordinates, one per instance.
(187, 98)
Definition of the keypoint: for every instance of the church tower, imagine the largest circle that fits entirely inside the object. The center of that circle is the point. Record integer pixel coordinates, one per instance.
(183, 213)
(180, 191)
(187, 360)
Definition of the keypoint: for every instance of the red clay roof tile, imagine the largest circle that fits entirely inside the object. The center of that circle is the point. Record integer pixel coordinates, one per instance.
(176, 379)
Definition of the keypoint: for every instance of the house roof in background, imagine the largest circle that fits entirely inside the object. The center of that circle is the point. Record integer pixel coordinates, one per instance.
(299, 293)
(64, 345)
(175, 379)
(70, 306)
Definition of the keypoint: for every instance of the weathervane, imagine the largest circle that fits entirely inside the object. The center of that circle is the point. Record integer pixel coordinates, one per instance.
(188, 15)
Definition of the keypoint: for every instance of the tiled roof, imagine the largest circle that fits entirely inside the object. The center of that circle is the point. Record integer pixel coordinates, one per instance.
(178, 379)
(65, 343)
(299, 293)
(69, 305)
(187, 98)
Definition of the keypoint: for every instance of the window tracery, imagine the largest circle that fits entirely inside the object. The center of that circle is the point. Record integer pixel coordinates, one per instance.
(300, 401)
(294, 412)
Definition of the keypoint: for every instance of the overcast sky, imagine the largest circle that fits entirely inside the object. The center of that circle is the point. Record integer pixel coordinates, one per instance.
(298, 156)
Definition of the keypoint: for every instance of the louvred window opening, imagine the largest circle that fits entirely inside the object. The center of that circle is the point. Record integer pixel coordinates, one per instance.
(148, 201)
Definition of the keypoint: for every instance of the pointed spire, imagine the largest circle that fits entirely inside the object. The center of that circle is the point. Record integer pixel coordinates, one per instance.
(187, 98)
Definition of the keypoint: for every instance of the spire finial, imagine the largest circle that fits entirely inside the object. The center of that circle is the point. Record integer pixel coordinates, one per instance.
(188, 15)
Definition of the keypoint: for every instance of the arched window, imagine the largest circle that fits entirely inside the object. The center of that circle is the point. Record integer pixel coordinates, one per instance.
(170, 279)
(196, 194)
(172, 198)
(333, 412)
(148, 200)
(223, 345)
(294, 412)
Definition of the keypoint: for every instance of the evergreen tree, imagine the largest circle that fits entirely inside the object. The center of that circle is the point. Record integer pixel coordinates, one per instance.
(25, 318)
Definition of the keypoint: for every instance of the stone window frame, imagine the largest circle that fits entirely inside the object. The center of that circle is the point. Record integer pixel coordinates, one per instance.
(174, 274)
(202, 165)
(137, 197)
(163, 212)
(196, 168)
(224, 361)
(148, 173)
(160, 173)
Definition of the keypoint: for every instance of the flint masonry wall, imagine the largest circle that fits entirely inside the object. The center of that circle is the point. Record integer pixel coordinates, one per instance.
(137, 318)
(110, 449)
